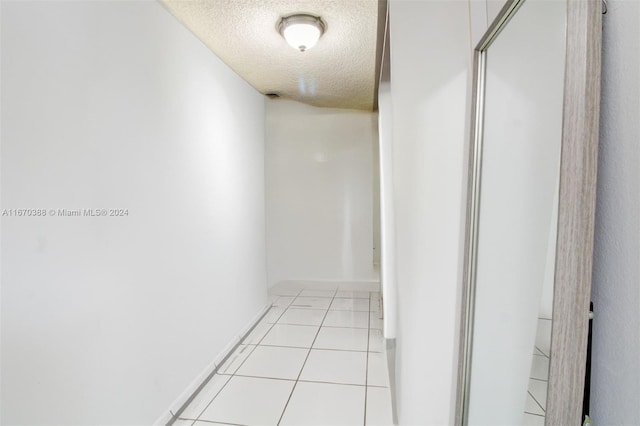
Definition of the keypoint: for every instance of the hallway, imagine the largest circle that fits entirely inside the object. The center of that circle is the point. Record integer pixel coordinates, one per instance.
(157, 205)
(316, 357)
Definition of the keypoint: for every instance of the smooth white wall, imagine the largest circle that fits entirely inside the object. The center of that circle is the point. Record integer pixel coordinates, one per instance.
(116, 105)
(615, 380)
(430, 45)
(387, 213)
(319, 193)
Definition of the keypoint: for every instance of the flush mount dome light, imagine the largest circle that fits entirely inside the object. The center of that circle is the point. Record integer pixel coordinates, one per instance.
(301, 31)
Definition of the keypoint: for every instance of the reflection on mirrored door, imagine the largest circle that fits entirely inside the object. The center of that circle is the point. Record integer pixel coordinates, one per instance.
(517, 217)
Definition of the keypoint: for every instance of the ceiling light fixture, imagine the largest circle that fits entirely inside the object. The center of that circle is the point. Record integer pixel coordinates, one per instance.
(301, 31)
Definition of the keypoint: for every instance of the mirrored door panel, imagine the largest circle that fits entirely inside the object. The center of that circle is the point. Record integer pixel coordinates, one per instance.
(530, 215)
(517, 216)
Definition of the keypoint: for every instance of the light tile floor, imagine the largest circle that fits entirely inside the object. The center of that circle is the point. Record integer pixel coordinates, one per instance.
(535, 407)
(316, 358)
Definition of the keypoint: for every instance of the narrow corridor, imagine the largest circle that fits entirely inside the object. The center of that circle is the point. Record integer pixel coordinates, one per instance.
(316, 358)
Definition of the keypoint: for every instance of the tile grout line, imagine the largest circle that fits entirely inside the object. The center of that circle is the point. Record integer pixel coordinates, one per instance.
(312, 381)
(305, 360)
(217, 423)
(328, 326)
(540, 380)
(321, 349)
(332, 297)
(541, 352)
(542, 355)
(230, 378)
(310, 308)
(214, 397)
(270, 327)
(534, 398)
(366, 369)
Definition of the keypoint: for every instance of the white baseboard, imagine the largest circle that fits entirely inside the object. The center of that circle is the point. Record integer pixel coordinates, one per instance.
(358, 285)
(168, 416)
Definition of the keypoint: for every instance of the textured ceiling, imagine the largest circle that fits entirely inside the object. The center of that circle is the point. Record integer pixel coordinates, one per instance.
(340, 71)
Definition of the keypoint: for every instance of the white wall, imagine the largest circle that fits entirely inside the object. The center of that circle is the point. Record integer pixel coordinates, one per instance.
(116, 105)
(387, 213)
(430, 45)
(615, 378)
(319, 193)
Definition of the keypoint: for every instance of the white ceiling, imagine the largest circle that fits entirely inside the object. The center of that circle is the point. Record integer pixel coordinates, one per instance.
(340, 71)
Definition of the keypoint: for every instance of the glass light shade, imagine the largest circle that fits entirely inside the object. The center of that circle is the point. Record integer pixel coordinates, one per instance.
(301, 36)
(301, 32)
